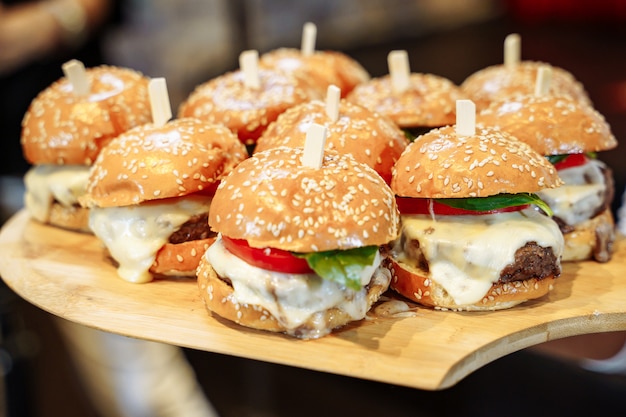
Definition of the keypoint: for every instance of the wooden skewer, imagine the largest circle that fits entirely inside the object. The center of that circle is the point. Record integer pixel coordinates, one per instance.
(159, 101)
(314, 146)
(75, 72)
(465, 118)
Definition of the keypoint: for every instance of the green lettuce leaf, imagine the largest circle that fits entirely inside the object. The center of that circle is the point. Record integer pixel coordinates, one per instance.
(497, 201)
(342, 266)
(555, 159)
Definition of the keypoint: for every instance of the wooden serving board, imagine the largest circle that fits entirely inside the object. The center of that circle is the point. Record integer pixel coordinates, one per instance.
(66, 274)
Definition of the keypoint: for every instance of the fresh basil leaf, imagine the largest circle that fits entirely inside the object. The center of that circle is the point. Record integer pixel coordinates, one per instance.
(555, 159)
(341, 266)
(497, 201)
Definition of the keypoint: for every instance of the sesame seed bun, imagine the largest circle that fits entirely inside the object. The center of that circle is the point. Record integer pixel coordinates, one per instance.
(321, 68)
(429, 101)
(591, 239)
(60, 128)
(180, 161)
(271, 200)
(74, 218)
(246, 111)
(551, 124)
(499, 82)
(180, 259)
(367, 136)
(150, 163)
(440, 164)
(421, 288)
(219, 298)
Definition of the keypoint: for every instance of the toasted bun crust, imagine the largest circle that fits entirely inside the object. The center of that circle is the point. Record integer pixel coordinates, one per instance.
(417, 286)
(430, 100)
(322, 68)
(551, 124)
(246, 111)
(498, 82)
(439, 164)
(588, 238)
(72, 218)
(60, 128)
(272, 200)
(150, 163)
(180, 259)
(370, 138)
(218, 297)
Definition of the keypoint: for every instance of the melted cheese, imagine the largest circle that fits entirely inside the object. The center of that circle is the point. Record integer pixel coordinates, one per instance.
(46, 183)
(292, 299)
(466, 254)
(581, 195)
(134, 234)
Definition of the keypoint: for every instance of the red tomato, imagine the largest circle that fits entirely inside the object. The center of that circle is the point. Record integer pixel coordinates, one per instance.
(572, 160)
(267, 258)
(408, 205)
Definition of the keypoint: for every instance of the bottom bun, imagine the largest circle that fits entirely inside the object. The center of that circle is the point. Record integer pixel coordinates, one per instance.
(412, 284)
(180, 259)
(592, 239)
(74, 218)
(219, 298)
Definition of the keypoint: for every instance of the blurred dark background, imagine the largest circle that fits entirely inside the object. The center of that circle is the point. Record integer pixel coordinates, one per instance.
(190, 41)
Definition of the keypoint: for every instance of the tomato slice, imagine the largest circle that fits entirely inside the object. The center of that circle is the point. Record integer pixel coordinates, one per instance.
(272, 259)
(572, 160)
(408, 205)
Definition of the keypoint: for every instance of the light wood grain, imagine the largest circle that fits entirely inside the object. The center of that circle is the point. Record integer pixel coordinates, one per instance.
(66, 274)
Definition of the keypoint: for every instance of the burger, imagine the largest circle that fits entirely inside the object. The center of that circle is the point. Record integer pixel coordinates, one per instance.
(229, 100)
(570, 134)
(320, 68)
(500, 82)
(369, 137)
(426, 101)
(475, 235)
(299, 249)
(149, 193)
(63, 132)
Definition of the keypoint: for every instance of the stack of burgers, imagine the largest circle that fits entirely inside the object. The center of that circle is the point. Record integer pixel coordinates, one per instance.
(464, 215)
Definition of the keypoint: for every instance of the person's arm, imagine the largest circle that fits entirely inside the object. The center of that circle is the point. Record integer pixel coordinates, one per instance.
(33, 30)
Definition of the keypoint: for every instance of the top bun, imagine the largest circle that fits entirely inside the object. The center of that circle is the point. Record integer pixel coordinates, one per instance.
(498, 82)
(429, 101)
(321, 68)
(552, 125)
(440, 164)
(272, 200)
(367, 136)
(61, 128)
(150, 163)
(246, 111)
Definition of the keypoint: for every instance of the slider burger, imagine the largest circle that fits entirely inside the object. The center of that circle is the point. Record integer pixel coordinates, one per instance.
(149, 194)
(321, 68)
(499, 82)
(63, 132)
(299, 248)
(416, 102)
(569, 133)
(369, 137)
(247, 100)
(518, 77)
(472, 236)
